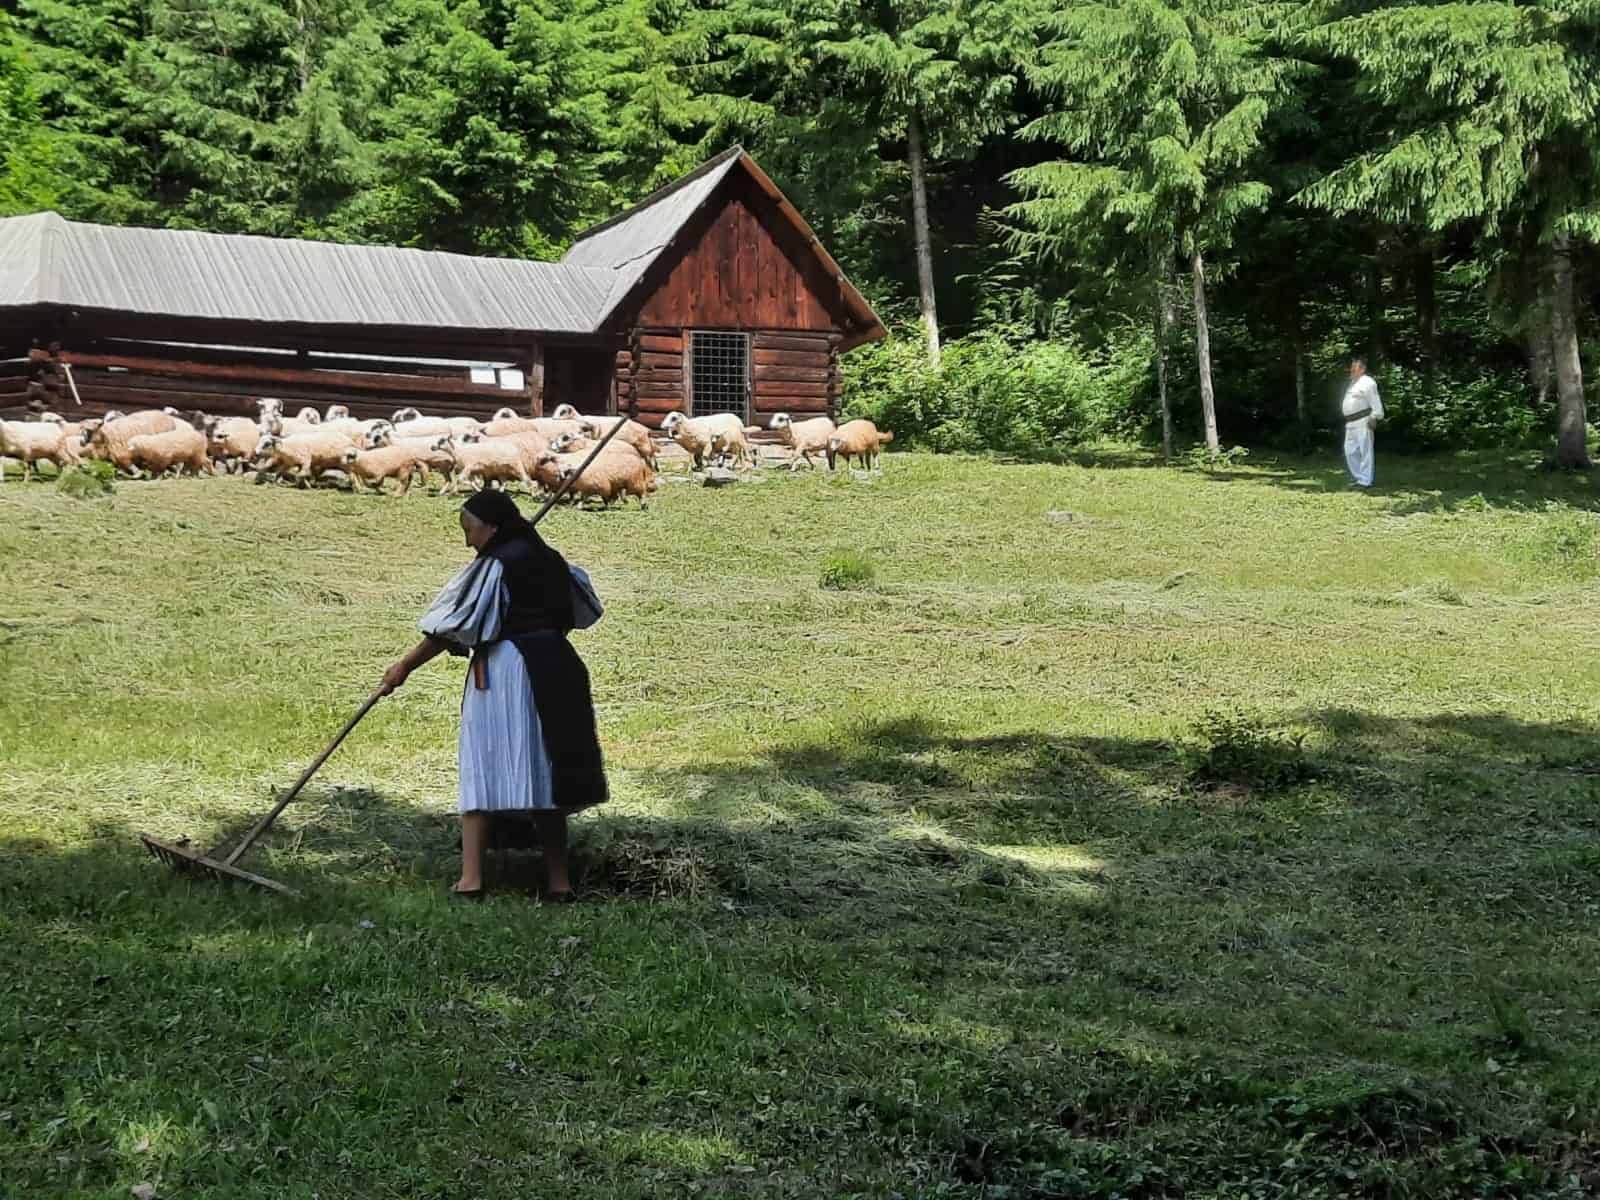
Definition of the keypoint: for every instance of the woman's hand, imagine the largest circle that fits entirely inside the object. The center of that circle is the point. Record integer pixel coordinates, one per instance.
(395, 676)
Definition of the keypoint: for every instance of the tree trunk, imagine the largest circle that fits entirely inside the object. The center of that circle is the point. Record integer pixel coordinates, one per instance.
(1166, 317)
(1572, 438)
(1427, 323)
(1375, 332)
(1202, 339)
(1302, 414)
(919, 229)
(1541, 362)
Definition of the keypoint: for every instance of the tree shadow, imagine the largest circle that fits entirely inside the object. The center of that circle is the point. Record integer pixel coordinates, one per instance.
(1058, 932)
(1436, 483)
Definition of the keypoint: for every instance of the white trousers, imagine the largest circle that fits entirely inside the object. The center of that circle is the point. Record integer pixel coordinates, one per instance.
(1359, 453)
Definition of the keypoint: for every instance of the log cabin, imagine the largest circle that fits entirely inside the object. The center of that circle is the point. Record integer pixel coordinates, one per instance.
(712, 295)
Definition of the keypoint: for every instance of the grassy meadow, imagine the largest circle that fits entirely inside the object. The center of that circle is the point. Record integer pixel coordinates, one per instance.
(1133, 832)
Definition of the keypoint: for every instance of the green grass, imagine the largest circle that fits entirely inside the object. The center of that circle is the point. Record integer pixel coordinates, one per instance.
(957, 885)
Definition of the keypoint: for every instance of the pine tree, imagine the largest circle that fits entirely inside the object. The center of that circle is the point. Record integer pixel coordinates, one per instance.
(28, 177)
(1163, 107)
(939, 74)
(1492, 110)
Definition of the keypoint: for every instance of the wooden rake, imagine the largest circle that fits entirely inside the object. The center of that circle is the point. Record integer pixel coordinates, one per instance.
(222, 863)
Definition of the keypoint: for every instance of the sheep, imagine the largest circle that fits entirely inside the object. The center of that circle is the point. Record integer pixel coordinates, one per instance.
(175, 449)
(307, 420)
(548, 428)
(804, 438)
(434, 427)
(390, 462)
(304, 456)
(335, 412)
(350, 426)
(110, 438)
(71, 430)
(702, 436)
(494, 460)
(232, 441)
(427, 457)
(608, 477)
(632, 434)
(506, 414)
(34, 442)
(857, 439)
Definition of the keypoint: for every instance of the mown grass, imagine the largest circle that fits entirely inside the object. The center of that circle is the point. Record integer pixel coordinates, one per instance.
(914, 889)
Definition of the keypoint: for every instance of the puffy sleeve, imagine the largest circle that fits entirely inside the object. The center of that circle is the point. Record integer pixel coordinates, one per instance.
(469, 609)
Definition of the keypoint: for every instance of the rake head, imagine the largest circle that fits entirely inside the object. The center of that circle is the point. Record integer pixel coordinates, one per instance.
(181, 856)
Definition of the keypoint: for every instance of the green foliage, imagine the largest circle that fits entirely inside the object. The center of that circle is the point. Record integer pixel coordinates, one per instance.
(847, 570)
(999, 390)
(88, 481)
(1234, 747)
(28, 178)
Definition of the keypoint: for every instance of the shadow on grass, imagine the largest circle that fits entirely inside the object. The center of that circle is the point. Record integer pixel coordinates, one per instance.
(1029, 959)
(1432, 483)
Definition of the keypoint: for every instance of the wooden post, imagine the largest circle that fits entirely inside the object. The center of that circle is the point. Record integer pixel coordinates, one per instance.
(536, 379)
(835, 378)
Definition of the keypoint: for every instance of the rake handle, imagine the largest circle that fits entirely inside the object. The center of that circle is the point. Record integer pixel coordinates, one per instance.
(262, 825)
(265, 822)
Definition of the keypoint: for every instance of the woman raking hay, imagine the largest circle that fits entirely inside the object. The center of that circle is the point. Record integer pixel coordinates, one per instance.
(528, 742)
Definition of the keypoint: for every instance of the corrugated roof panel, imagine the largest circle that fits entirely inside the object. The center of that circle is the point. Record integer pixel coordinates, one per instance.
(642, 232)
(166, 272)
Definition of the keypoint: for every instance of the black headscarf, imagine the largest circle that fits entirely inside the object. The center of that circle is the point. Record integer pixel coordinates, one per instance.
(535, 573)
(494, 507)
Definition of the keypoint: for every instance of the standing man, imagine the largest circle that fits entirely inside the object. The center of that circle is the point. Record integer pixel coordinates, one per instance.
(1362, 412)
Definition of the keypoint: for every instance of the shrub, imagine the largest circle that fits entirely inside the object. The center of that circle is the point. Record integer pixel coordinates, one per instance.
(1234, 747)
(844, 570)
(998, 390)
(88, 481)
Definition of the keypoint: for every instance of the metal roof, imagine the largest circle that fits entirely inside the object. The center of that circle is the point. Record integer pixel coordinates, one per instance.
(47, 260)
(630, 242)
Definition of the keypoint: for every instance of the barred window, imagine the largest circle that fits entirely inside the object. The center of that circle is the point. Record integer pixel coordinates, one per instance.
(719, 373)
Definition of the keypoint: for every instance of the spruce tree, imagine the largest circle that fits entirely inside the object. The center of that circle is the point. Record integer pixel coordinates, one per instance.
(1492, 111)
(1160, 107)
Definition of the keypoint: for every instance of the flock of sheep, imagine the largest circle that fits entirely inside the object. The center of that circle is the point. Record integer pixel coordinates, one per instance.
(505, 450)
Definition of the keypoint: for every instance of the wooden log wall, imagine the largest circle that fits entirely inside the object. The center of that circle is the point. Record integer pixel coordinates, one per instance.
(228, 382)
(792, 372)
(655, 376)
(796, 373)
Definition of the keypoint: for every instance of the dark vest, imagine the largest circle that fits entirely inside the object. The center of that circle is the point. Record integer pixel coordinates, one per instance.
(538, 585)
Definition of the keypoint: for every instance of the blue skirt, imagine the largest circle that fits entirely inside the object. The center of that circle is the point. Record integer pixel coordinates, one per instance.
(504, 765)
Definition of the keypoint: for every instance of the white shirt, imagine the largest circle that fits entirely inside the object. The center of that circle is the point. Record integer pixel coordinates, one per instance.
(1363, 393)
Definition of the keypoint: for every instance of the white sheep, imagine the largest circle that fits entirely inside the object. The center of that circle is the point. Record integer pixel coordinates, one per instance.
(857, 439)
(804, 438)
(372, 467)
(548, 428)
(34, 442)
(434, 427)
(335, 412)
(704, 436)
(232, 441)
(109, 440)
(71, 430)
(493, 460)
(173, 450)
(303, 457)
(631, 434)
